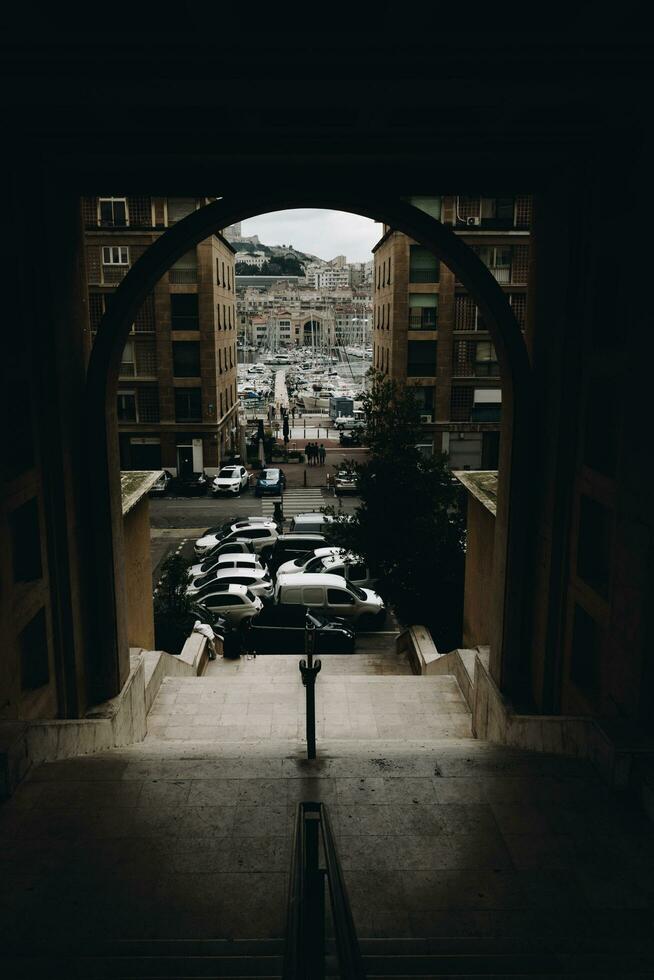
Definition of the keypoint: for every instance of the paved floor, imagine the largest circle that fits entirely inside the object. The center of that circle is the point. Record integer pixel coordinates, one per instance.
(445, 837)
(262, 698)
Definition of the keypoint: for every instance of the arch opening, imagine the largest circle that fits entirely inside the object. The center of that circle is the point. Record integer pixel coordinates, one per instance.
(429, 232)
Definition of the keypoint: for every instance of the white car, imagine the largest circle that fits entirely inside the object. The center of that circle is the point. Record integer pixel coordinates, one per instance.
(233, 548)
(231, 480)
(256, 580)
(249, 562)
(331, 595)
(344, 422)
(310, 561)
(260, 534)
(235, 602)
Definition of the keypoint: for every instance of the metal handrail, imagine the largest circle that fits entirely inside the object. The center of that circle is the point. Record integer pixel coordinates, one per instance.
(304, 957)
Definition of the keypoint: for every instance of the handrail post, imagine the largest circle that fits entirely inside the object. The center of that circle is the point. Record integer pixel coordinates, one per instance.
(309, 672)
(315, 898)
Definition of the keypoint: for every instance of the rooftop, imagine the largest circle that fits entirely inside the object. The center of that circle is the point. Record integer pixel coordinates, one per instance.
(482, 484)
(134, 484)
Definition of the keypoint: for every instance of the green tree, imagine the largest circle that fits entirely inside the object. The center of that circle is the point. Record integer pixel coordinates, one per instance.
(409, 525)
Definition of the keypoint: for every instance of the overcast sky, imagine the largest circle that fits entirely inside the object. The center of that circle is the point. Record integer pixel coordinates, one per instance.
(323, 233)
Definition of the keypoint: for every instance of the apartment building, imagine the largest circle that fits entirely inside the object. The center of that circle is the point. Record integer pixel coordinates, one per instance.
(428, 332)
(177, 402)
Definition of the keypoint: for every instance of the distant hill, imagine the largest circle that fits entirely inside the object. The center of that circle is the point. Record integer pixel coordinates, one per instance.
(274, 250)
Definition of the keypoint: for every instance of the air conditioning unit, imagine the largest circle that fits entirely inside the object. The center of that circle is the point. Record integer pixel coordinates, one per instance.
(425, 418)
(473, 221)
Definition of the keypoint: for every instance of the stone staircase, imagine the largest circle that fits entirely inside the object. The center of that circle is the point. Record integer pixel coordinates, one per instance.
(518, 957)
(170, 858)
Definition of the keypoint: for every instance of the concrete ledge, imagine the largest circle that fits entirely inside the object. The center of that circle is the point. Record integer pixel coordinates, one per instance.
(420, 649)
(115, 723)
(191, 662)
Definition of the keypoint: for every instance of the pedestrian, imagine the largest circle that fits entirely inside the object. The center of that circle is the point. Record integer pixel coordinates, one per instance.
(293, 413)
(314, 453)
(323, 454)
(309, 453)
(232, 643)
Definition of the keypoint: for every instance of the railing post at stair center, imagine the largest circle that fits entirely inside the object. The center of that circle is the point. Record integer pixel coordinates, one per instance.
(309, 672)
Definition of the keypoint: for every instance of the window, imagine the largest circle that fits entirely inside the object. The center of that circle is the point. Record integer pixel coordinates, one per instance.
(33, 644)
(219, 601)
(188, 405)
(127, 362)
(185, 270)
(423, 311)
(179, 207)
(220, 361)
(184, 314)
(224, 280)
(421, 359)
(115, 255)
(186, 359)
(26, 542)
(424, 398)
(112, 212)
(423, 265)
(339, 597)
(497, 259)
(430, 205)
(461, 404)
(498, 211)
(486, 364)
(312, 597)
(126, 407)
(357, 572)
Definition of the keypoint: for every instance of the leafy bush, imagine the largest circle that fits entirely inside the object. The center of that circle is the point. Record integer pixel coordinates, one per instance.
(410, 524)
(173, 619)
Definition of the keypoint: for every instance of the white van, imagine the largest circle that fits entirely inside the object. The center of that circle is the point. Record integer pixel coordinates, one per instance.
(331, 594)
(302, 523)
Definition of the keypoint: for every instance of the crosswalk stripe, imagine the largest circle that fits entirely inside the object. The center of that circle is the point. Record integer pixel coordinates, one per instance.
(305, 499)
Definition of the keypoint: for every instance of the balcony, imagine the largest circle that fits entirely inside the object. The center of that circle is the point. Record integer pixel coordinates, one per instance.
(501, 272)
(182, 277)
(419, 321)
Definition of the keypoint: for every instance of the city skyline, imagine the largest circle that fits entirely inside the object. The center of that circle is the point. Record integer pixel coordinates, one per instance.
(318, 232)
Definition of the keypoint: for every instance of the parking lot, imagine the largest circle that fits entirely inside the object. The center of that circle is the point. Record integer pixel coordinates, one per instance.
(176, 522)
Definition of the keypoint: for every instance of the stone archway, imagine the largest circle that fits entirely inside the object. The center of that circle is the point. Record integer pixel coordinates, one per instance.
(109, 661)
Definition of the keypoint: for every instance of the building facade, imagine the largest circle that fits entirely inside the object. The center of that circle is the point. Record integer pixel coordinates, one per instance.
(177, 403)
(428, 332)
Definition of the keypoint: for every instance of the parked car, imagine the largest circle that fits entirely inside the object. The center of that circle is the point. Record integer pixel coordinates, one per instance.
(237, 547)
(344, 422)
(256, 579)
(345, 481)
(230, 480)
(217, 623)
(331, 595)
(247, 562)
(288, 546)
(352, 568)
(235, 602)
(304, 562)
(162, 484)
(312, 523)
(281, 630)
(191, 485)
(349, 438)
(260, 534)
(270, 480)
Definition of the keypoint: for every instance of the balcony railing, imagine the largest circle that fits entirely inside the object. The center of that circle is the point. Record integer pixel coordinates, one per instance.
(182, 277)
(423, 275)
(418, 321)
